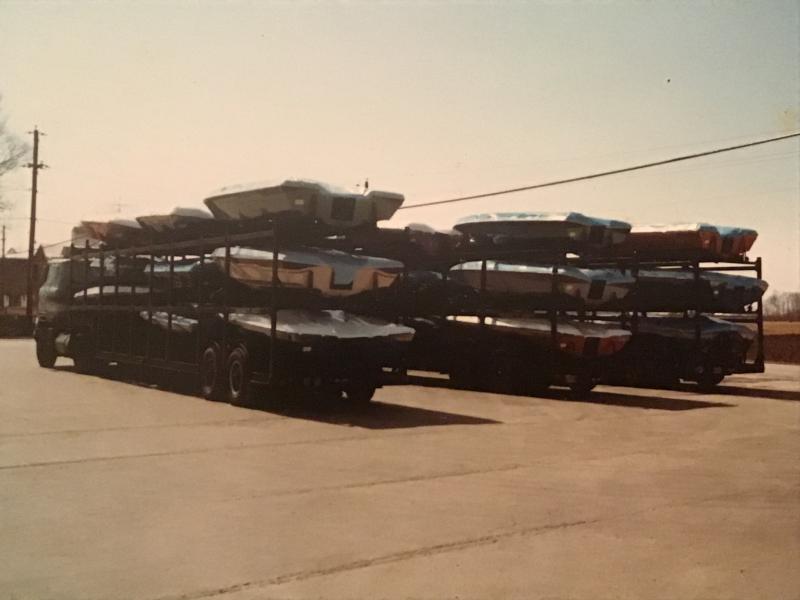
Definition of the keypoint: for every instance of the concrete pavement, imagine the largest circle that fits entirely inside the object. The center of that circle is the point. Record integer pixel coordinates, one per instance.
(115, 490)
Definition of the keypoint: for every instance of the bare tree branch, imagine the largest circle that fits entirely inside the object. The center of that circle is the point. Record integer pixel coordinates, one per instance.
(12, 151)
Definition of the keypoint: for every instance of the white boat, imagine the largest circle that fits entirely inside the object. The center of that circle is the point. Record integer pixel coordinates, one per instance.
(578, 338)
(330, 205)
(736, 241)
(116, 232)
(566, 228)
(593, 287)
(672, 289)
(112, 293)
(331, 272)
(177, 324)
(433, 242)
(686, 329)
(673, 239)
(179, 220)
(306, 326)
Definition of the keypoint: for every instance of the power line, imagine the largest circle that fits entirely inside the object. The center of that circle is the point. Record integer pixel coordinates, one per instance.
(603, 173)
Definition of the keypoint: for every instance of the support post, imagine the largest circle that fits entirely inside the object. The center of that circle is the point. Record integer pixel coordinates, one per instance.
(273, 310)
(3, 275)
(34, 166)
(553, 311)
(760, 323)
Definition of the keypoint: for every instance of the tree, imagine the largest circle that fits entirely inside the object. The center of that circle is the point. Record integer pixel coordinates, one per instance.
(12, 149)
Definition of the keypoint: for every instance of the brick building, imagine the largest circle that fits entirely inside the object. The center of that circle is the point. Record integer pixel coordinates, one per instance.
(14, 281)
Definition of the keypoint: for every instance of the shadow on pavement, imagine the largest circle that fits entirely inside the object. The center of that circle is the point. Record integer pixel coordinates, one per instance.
(729, 390)
(599, 397)
(374, 415)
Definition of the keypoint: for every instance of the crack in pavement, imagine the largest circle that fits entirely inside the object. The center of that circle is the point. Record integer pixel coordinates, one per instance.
(368, 484)
(188, 451)
(138, 427)
(435, 549)
(381, 560)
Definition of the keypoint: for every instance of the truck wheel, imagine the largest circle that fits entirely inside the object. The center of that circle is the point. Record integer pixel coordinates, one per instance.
(708, 381)
(212, 386)
(581, 386)
(359, 392)
(237, 375)
(46, 351)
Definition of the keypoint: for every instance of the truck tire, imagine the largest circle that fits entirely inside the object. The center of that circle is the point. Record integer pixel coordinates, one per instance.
(708, 381)
(212, 384)
(581, 386)
(237, 377)
(46, 350)
(359, 392)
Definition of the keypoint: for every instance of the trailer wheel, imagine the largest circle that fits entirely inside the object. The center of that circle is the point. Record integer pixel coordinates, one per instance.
(708, 381)
(581, 386)
(212, 386)
(237, 375)
(360, 392)
(46, 350)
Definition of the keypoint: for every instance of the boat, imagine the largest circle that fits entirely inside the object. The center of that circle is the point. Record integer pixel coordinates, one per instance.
(331, 272)
(710, 328)
(112, 294)
(175, 323)
(673, 241)
(736, 241)
(590, 287)
(573, 337)
(307, 326)
(666, 349)
(332, 206)
(180, 220)
(183, 273)
(677, 290)
(416, 245)
(114, 233)
(567, 229)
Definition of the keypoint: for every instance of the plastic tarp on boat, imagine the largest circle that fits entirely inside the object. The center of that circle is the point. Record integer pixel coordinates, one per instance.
(672, 289)
(681, 236)
(531, 226)
(116, 232)
(332, 272)
(180, 219)
(316, 200)
(112, 291)
(179, 323)
(580, 338)
(736, 241)
(591, 286)
(307, 326)
(685, 329)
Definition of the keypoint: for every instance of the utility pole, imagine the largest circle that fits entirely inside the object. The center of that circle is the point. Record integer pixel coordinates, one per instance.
(3, 275)
(35, 166)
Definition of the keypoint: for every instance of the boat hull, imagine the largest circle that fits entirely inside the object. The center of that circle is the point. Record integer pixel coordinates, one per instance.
(330, 272)
(574, 338)
(584, 287)
(313, 200)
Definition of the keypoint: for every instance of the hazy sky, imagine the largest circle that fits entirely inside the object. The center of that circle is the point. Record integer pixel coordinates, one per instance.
(153, 105)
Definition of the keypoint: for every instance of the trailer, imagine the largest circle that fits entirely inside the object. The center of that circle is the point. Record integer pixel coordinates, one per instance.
(134, 307)
(696, 344)
(696, 333)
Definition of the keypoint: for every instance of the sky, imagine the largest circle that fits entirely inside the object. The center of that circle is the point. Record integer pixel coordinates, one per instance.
(152, 105)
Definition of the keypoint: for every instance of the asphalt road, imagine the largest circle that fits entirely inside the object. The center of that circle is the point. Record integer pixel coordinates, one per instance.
(116, 490)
